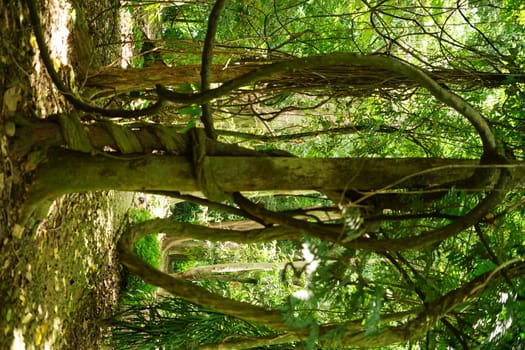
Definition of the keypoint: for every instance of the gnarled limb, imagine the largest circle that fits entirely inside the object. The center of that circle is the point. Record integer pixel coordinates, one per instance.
(354, 333)
(196, 294)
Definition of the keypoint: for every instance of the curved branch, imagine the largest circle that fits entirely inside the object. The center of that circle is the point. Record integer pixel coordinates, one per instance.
(435, 236)
(293, 228)
(191, 292)
(327, 232)
(253, 342)
(334, 233)
(207, 58)
(301, 135)
(210, 204)
(199, 232)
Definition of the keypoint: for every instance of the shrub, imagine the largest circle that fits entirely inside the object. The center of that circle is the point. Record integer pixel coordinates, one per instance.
(148, 249)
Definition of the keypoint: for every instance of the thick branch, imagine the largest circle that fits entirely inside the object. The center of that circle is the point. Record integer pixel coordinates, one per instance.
(198, 232)
(196, 294)
(302, 135)
(66, 171)
(327, 232)
(207, 203)
(253, 342)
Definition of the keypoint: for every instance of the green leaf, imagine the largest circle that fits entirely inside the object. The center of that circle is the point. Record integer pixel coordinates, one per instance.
(484, 267)
(193, 110)
(372, 322)
(191, 124)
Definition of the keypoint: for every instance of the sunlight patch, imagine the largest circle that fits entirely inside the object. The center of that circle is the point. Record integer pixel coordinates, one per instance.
(501, 327)
(58, 19)
(126, 30)
(309, 257)
(59, 32)
(18, 340)
(303, 294)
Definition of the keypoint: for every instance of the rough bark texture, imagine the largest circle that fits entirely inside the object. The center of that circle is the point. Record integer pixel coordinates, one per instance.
(354, 80)
(118, 80)
(66, 172)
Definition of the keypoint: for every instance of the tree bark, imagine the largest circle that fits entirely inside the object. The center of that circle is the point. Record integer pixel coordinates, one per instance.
(119, 80)
(357, 81)
(67, 172)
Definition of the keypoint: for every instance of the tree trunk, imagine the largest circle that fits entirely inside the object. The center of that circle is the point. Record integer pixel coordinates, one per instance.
(348, 80)
(67, 172)
(119, 80)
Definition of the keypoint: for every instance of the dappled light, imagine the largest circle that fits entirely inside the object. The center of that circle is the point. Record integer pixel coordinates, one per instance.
(227, 174)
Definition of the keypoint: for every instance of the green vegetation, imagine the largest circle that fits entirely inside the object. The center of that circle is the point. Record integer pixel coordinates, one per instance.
(148, 248)
(174, 324)
(351, 173)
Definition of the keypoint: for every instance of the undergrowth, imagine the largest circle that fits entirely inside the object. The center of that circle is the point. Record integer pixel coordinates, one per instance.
(148, 249)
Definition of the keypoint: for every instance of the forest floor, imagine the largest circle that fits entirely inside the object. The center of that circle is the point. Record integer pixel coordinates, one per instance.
(59, 279)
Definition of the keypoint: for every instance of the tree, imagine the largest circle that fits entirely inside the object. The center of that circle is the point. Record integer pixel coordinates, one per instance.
(119, 80)
(406, 212)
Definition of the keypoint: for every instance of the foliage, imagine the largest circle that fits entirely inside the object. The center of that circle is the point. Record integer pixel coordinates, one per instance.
(373, 120)
(171, 323)
(148, 248)
(270, 290)
(195, 213)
